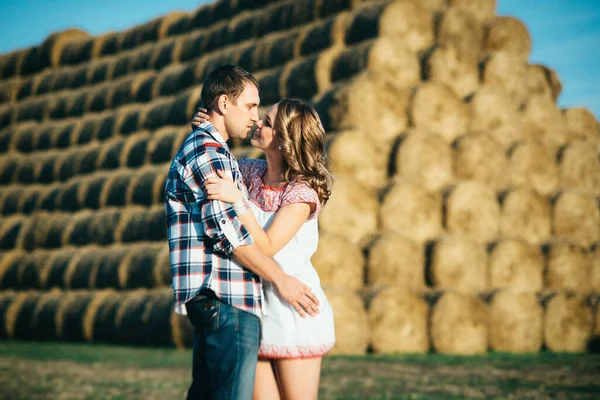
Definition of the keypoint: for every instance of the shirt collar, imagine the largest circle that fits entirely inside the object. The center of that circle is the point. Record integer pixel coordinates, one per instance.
(211, 130)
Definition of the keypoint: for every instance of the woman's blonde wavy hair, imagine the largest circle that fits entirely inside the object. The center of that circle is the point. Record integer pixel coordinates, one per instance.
(303, 146)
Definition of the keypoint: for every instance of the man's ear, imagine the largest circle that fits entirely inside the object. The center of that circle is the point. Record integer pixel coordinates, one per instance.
(222, 104)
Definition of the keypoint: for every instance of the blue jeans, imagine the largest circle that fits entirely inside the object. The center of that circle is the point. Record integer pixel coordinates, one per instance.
(225, 351)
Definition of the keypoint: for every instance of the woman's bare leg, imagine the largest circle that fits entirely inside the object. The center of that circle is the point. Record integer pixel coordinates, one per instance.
(298, 379)
(265, 385)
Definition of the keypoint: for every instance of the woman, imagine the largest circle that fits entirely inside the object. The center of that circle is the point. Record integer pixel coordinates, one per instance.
(286, 194)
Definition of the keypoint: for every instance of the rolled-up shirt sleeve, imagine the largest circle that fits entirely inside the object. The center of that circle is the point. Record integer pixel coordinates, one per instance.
(219, 220)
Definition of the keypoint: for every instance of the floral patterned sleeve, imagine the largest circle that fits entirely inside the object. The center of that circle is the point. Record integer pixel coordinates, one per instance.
(302, 193)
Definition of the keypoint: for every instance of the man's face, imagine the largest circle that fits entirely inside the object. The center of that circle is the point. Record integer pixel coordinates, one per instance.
(241, 116)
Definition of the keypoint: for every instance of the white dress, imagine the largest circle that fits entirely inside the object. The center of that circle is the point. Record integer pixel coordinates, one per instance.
(284, 334)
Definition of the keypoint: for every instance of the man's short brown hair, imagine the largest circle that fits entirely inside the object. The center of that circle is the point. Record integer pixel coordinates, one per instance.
(229, 80)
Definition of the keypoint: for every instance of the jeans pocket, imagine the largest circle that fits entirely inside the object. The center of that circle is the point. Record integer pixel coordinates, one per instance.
(204, 314)
(210, 310)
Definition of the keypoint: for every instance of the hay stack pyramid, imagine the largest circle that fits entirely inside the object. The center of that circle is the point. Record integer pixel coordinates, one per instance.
(444, 140)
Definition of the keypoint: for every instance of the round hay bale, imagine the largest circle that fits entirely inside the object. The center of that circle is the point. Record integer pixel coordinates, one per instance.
(49, 199)
(403, 19)
(157, 317)
(134, 151)
(55, 45)
(127, 120)
(100, 71)
(79, 270)
(472, 209)
(53, 271)
(515, 322)
(532, 165)
(140, 190)
(338, 262)
(161, 145)
(43, 324)
(173, 24)
(459, 324)
(89, 191)
(506, 72)
(537, 81)
(161, 269)
(7, 297)
(351, 212)
(437, 109)
(384, 267)
(8, 168)
(569, 266)
(383, 56)
(398, 321)
(576, 216)
(568, 323)
(411, 210)
(424, 158)
(98, 321)
(29, 270)
(115, 189)
(458, 263)
(66, 166)
(9, 202)
(351, 153)
(135, 268)
(19, 316)
(77, 51)
(33, 234)
(492, 112)
(28, 202)
(158, 191)
(543, 122)
(104, 45)
(110, 154)
(107, 126)
(595, 256)
(480, 158)
(582, 124)
(182, 331)
(456, 28)
(25, 138)
(324, 67)
(9, 269)
(350, 320)
(319, 35)
(45, 167)
(525, 215)
(445, 65)
(105, 273)
(579, 167)
(103, 226)
(516, 265)
(77, 232)
(68, 200)
(366, 103)
(173, 79)
(156, 114)
(141, 224)
(504, 33)
(481, 10)
(70, 315)
(129, 317)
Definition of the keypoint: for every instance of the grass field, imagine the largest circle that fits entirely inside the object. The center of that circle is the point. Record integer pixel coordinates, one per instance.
(82, 371)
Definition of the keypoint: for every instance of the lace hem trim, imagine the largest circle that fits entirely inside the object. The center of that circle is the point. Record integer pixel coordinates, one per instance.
(273, 351)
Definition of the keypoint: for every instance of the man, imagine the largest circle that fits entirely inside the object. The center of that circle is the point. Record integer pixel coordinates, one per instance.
(214, 262)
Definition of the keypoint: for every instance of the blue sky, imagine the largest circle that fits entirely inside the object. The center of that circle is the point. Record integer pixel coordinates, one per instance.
(566, 33)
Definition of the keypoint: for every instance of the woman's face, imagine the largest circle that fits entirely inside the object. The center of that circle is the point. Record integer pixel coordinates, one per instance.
(264, 137)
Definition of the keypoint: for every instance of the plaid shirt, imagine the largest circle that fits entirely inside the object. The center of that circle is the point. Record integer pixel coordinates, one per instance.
(202, 234)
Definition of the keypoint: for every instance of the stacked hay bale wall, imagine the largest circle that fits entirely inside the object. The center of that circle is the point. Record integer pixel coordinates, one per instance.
(462, 195)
